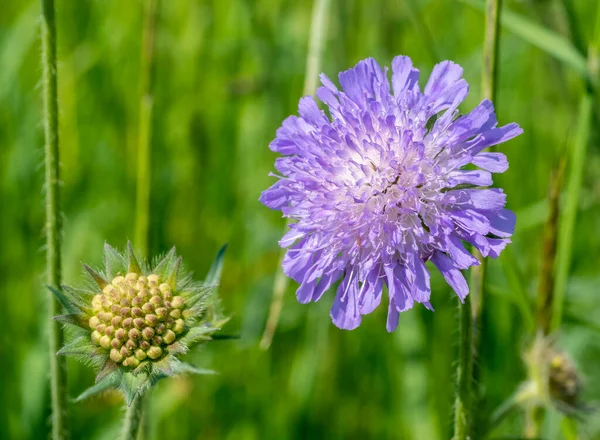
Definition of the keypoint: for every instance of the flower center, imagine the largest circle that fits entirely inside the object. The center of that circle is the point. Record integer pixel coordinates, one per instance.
(136, 317)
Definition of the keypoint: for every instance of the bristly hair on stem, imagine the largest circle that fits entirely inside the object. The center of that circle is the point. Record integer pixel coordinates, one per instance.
(313, 65)
(53, 218)
(463, 415)
(133, 418)
(489, 86)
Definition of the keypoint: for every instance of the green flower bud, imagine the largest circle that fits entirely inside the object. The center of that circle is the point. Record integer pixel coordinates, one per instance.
(96, 337)
(134, 334)
(148, 333)
(138, 315)
(154, 352)
(131, 361)
(179, 326)
(157, 340)
(161, 313)
(121, 333)
(151, 320)
(116, 355)
(105, 341)
(177, 302)
(94, 322)
(169, 336)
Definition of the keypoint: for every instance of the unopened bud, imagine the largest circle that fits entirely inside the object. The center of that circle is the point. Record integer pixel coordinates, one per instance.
(154, 352)
(151, 320)
(105, 341)
(93, 322)
(96, 337)
(179, 326)
(134, 334)
(177, 302)
(175, 313)
(138, 322)
(161, 312)
(148, 333)
(169, 336)
(140, 354)
(116, 356)
(148, 308)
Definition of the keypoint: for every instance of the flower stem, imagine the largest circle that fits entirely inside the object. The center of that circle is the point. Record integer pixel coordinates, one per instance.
(142, 215)
(133, 417)
(463, 405)
(58, 369)
(313, 66)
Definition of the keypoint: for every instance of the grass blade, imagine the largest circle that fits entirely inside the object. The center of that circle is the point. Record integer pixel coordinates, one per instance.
(550, 42)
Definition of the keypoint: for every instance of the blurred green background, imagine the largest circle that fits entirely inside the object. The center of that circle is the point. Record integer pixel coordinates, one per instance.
(227, 73)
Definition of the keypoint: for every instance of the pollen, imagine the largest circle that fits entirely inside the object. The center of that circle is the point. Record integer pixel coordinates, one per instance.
(136, 317)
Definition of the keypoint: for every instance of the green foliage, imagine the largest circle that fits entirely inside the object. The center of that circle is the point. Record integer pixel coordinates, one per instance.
(226, 74)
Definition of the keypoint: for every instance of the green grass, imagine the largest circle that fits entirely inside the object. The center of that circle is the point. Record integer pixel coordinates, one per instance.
(226, 74)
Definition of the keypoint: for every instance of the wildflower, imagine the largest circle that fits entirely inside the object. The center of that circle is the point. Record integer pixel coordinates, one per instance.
(380, 187)
(133, 321)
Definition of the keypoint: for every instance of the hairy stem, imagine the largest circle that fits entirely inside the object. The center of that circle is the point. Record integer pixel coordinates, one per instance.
(133, 417)
(463, 415)
(313, 66)
(58, 370)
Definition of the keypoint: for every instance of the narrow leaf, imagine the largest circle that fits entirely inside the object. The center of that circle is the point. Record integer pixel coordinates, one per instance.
(183, 368)
(98, 279)
(164, 266)
(109, 382)
(76, 319)
(214, 274)
(69, 303)
(114, 262)
(172, 276)
(132, 262)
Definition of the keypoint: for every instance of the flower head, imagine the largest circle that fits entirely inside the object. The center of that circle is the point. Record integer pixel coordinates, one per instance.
(133, 320)
(380, 187)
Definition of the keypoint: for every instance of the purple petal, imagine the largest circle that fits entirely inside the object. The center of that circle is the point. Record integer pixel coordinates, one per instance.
(502, 222)
(469, 177)
(404, 76)
(392, 317)
(371, 292)
(493, 162)
(344, 312)
(451, 274)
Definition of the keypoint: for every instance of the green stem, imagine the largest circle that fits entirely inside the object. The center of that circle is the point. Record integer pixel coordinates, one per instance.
(491, 47)
(463, 405)
(142, 215)
(133, 417)
(313, 66)
(58, 371)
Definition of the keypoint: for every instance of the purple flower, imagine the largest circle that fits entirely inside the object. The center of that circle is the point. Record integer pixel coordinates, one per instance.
(381, 187)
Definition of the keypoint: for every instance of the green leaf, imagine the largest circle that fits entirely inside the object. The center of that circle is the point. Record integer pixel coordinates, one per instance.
(173, 272)
(107, 369)
(550, 42)
(132, 262)
(518, 291)
(163, 268)
(98, 279)
(76, 319)
(82, 349)
(214, 274)
(69, 303)
(109, 382)
(196, 334)
(569, 428)
(114, 261)
(134, 385)
(183, 368)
